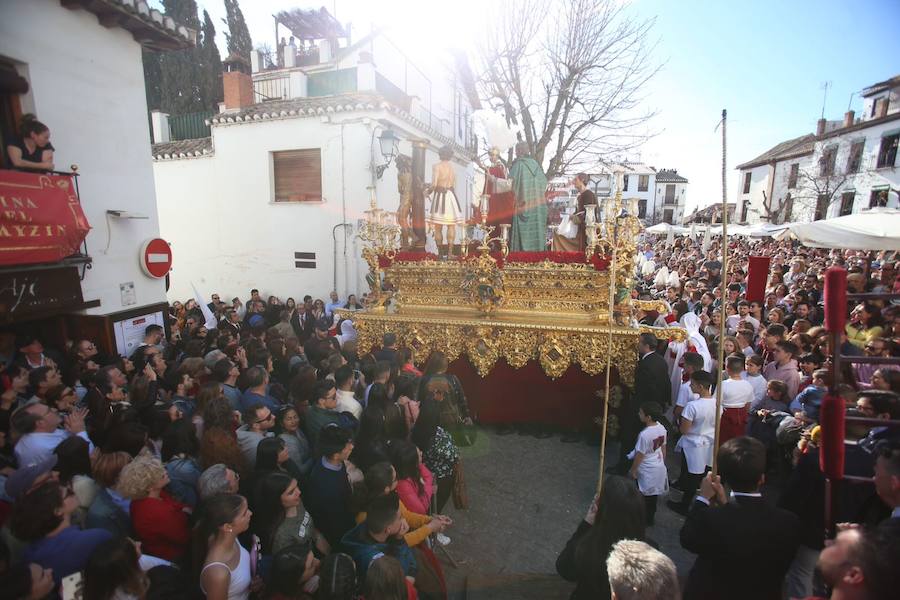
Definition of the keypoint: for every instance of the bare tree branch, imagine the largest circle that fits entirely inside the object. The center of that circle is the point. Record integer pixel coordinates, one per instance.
(572, 74)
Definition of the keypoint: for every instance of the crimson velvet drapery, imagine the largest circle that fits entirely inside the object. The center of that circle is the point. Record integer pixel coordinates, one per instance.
(528, 395)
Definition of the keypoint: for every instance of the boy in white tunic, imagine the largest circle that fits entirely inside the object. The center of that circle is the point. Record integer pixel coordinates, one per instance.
(649, 456)
(698, 430)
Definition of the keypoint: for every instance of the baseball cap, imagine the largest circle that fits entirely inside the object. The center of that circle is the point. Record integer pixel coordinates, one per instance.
(18, 484)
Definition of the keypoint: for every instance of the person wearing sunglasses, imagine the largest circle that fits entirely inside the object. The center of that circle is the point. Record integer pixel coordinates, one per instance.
(258, 421)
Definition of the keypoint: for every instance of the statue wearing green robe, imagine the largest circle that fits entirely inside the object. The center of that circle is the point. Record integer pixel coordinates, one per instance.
(529, 184)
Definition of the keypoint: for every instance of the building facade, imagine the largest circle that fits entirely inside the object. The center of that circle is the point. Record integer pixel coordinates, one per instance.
(84, 80)
(274, 198)
(847, 166)
(661, 193)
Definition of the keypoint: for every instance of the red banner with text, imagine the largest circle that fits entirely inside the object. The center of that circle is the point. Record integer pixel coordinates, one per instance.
(40, 218)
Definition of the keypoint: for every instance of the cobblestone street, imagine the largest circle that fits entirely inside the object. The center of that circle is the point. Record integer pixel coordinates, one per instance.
(526, 497)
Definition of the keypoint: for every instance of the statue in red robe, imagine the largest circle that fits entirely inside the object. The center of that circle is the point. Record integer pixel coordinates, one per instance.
(502, 203)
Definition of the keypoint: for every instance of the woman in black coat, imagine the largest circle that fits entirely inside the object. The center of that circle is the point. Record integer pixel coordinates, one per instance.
(616, 515)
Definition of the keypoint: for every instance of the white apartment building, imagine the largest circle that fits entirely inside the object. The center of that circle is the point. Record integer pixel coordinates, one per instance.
(661, 193)
(846, 166)
(274, 198)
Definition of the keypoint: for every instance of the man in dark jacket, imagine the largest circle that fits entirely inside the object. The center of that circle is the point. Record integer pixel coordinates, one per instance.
(651, 384)
(744, 546)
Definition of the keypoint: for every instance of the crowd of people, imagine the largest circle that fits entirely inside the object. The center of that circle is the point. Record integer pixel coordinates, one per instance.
(261, 455)
(257, 451)
(758, 526)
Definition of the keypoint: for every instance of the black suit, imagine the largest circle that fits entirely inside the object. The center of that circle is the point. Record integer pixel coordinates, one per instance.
(651, 383)
(743, 549)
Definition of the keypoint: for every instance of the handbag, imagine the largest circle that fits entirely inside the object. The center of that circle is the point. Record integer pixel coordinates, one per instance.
(462, 433)
(460, 492)
(567, 228)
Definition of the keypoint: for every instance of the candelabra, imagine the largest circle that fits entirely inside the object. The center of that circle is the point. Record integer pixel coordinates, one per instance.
(615, 236)
(487, 232)
(380, 235)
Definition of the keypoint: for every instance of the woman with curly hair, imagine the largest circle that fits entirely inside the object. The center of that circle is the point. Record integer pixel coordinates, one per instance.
(157, 518)
(43, 518)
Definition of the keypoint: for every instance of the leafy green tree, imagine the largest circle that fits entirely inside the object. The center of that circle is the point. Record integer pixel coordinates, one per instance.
(181, 76)
(238, 35)
(210, 66)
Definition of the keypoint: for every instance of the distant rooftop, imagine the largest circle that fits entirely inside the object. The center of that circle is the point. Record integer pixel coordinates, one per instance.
(799, 146)
(881, 86)
(149, 27)
(669, 176)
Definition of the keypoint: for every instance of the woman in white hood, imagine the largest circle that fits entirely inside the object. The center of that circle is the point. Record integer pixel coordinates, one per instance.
(348, 332)
(695, 342)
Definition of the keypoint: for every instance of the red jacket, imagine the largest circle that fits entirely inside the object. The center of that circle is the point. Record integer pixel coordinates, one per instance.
(416, 501)
(161, 525)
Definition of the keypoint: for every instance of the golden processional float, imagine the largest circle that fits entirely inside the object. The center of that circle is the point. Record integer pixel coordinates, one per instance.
(560, 309)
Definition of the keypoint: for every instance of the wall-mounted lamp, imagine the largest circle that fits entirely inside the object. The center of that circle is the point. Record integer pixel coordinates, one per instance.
(387, 141)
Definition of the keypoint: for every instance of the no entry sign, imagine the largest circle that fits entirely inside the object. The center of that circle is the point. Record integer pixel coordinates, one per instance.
(156, 257)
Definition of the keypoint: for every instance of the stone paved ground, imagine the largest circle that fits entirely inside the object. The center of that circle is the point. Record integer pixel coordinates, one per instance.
(526, 497)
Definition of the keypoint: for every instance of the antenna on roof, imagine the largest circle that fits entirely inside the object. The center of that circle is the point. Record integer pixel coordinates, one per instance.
(850, 101)
(825, 85)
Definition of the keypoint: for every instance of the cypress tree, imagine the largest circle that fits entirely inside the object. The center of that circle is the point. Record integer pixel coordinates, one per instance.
(152, 78)
(238, 35)
(210, 66)
(181, 75)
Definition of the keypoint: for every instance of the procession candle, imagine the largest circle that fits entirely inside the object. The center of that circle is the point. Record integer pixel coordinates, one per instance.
(504, 231)
(590, 214)
(483, 205)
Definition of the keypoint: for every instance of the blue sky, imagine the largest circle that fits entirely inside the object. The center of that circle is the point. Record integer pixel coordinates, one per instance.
(763, 60)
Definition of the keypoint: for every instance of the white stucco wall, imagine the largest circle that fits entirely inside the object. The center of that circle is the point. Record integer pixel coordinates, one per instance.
(87, 85)
(228, 236)
(759, 183)
(869, 177)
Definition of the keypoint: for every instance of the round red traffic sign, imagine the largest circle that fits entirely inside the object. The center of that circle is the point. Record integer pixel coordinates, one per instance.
(156, 257)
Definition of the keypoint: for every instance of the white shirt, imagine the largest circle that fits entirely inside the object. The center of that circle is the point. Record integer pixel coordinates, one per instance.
(652, 477)
(759, 385)
(697, 443)
(346, 402)
(733, 321)
(685, 395)
(736, 393)
(36, 447)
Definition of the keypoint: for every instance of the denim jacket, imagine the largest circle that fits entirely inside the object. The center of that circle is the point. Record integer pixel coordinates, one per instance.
(184, 472)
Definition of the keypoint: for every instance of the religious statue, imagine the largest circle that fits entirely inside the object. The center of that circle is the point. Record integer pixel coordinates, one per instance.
(529, 185)
(408, 237)
(497, 185)
(586, 197)
(445, 208)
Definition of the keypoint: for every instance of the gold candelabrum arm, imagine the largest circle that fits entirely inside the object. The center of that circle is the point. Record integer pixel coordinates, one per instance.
(380, 235)
(487, 232)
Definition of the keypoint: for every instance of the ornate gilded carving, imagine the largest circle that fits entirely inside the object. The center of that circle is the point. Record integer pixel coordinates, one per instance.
(485, 341)
(557, 314)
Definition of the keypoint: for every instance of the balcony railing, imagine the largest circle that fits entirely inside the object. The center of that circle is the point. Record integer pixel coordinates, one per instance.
(276, 86)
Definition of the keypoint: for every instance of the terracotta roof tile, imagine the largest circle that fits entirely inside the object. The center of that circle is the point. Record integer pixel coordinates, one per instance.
(183, 149)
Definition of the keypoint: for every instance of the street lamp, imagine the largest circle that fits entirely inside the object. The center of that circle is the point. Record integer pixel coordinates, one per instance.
(387, 141)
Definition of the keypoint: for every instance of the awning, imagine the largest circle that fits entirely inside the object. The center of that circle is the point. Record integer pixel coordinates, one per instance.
(873, 229)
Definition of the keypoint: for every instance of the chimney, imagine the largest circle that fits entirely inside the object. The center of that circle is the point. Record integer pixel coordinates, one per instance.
(237, 83)
(159, 122)
(820, 127)
(848, 118)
